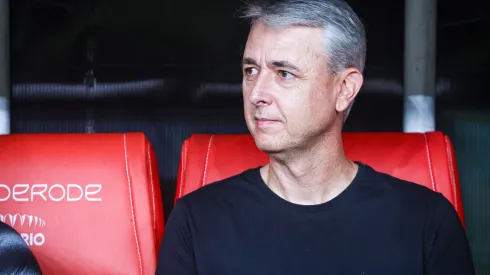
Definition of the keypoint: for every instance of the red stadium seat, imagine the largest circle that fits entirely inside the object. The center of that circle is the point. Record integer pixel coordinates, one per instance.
(85, 203)
(426, 159)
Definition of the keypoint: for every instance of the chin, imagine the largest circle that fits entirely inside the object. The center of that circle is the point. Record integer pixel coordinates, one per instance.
(270, 144)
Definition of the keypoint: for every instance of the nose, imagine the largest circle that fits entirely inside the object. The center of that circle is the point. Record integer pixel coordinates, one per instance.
(260, 91)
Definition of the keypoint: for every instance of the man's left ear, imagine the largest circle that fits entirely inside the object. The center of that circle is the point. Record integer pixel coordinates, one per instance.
(350, 81)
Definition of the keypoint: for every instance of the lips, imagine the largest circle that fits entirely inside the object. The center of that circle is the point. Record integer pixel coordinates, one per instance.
(266, 119)
(262, 122)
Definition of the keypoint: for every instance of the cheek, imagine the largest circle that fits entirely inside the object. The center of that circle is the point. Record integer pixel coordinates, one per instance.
(306, 112)
(296, 111)
(248, 107)
(245, 94)
(248, 110)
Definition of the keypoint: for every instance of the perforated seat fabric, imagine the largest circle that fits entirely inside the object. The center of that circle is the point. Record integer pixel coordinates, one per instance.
(426, 159)
(84, 203)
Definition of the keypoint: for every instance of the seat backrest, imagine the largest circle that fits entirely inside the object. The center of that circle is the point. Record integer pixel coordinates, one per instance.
(84, 203)
(427, 159)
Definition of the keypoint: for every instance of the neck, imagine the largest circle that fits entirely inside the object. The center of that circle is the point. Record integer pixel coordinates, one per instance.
(312, 176)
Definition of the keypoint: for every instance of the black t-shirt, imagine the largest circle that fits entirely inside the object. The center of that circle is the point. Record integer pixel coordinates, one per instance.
(378, 225)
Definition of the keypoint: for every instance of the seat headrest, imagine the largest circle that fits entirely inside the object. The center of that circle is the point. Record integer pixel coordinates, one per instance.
(427, 159)
(84, 203)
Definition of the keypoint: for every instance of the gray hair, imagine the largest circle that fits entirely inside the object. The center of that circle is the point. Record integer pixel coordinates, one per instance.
(344, 32)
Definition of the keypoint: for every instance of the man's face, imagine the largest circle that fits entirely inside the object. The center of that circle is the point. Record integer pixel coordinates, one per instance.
(289, 94)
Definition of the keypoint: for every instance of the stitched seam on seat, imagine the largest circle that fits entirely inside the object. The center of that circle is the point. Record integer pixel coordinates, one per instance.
(152, 188)
(451, 170)
(207, 158)
(429, 162)
(131, 203)
(184, 161)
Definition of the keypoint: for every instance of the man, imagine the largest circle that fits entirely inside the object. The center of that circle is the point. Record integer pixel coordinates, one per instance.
(310, 210)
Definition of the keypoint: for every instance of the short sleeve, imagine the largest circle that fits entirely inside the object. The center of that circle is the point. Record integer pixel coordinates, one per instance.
(176, 256)
(446, 245)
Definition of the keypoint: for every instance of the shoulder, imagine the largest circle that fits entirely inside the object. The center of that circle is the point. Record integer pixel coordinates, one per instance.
(399, 187)
(225, 191)
(410, 197)
(445, 246)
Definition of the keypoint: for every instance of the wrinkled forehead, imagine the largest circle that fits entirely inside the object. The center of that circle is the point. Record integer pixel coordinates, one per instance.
(298, 44)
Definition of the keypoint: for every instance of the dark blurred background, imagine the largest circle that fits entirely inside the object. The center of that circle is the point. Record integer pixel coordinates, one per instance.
(171, 68)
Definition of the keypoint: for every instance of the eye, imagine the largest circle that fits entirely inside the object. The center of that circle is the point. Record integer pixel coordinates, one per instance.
(250, 71)
(286, 75)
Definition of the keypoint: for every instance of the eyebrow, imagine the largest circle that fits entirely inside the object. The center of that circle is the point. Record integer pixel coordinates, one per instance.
(276, 63)
(249, 61)
(285, 64)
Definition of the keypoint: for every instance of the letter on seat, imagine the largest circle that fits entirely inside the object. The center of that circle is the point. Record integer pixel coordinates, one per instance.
(84, 203)
(426, 159)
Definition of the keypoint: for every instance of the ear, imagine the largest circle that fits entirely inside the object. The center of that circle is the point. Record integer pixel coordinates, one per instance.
(350, 81)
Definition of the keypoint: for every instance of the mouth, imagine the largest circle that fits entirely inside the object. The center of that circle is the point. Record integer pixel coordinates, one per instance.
(263, 122)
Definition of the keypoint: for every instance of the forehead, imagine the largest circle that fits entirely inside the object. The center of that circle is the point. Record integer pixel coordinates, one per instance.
(296, 43)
